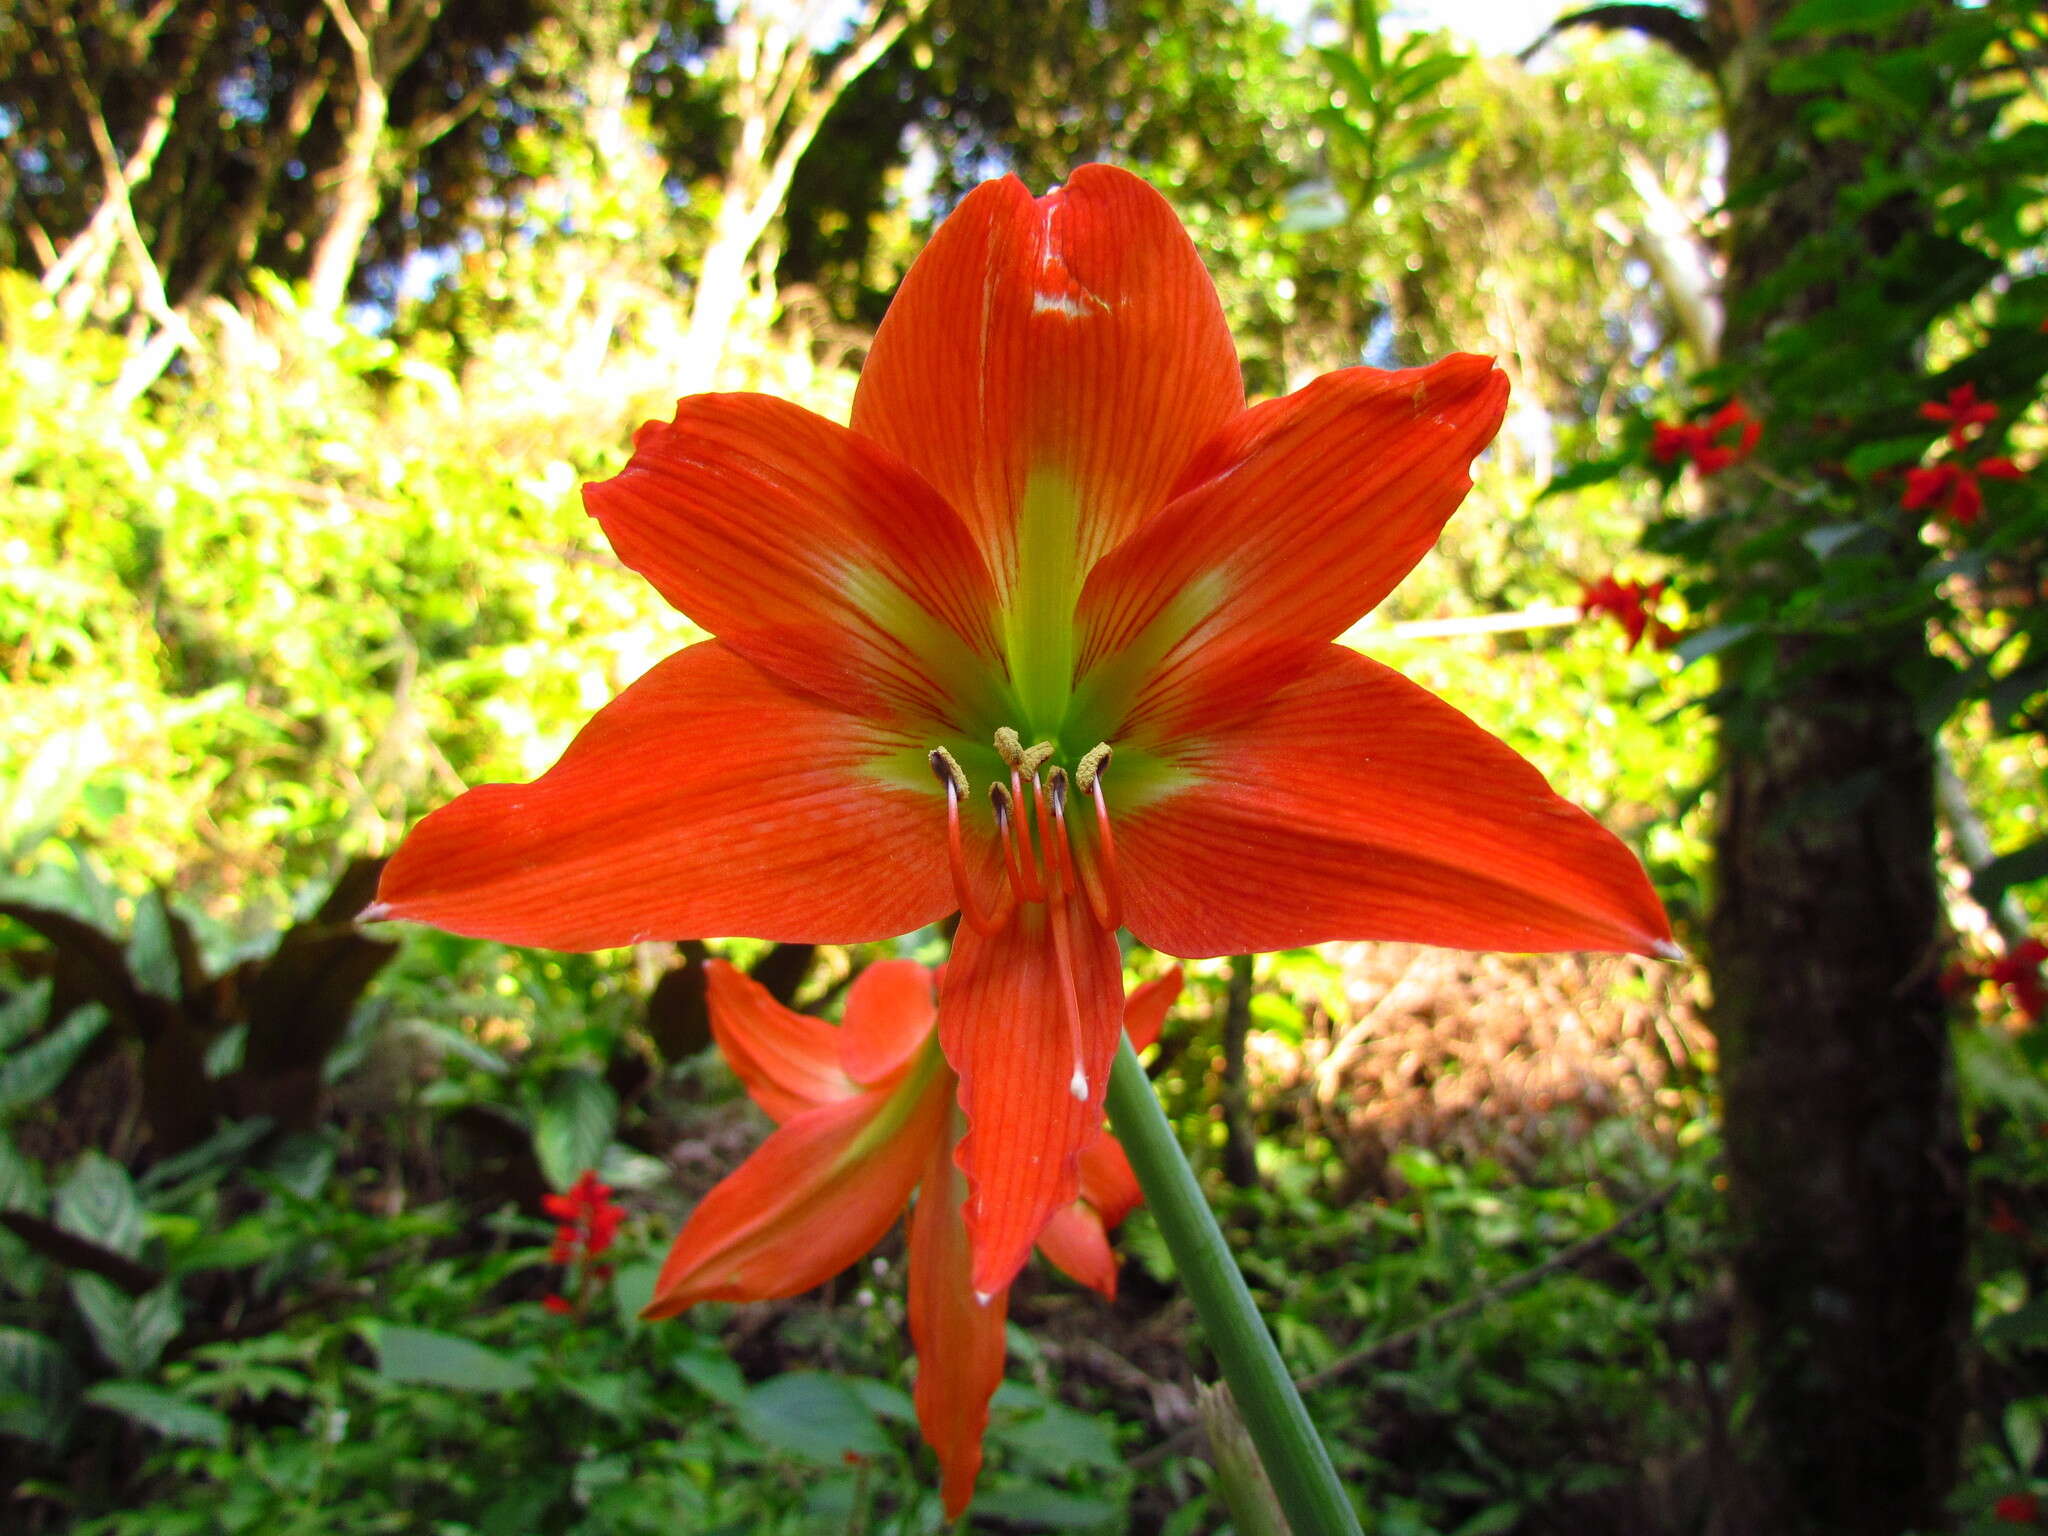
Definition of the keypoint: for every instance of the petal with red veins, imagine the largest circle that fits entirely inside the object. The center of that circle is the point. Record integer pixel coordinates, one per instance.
(1076, 1244)
(1356, 805)
(788, 1061)
(1007, 1027)
(1076, 336)
(1146, 1008)
(810, 550)
(815, 1196)
(705, 800)
(1291, 524)
(889, 1014)
(959, 1340)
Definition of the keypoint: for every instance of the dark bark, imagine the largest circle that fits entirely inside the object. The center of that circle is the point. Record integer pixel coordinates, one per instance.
(1240, 1144)
(1846, 1174)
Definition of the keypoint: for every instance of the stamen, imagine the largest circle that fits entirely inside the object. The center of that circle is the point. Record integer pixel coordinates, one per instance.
(1050, 845)
(948, 773)
(1009, 746)
(1025, 870)
(1070, 996)
(1112, 911)
(1056, 791)
(1021, 887)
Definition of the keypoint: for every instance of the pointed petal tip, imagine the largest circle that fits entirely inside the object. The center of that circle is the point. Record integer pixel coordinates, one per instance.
(377, 912)
(983, 1298)
(1668, 949)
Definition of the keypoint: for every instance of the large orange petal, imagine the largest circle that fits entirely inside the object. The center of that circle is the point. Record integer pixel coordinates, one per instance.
(1291, 523)
(1146, 1008)
(788, 1061)
(890, 1012)
(814, 1197)
(1076, 336)
(1107, 1182)
(1075, 1243)
(810, 550)
(958, 1339)
(1006, 1026)
(1356, 805)
(705, 800)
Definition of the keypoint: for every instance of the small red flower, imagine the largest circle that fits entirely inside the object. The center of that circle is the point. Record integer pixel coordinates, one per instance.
(1672, 441)
(1727, 437)
(2018, 1509)
(1951, 487)
(2018, 970)
(559, 1305)
(1962, 411)
(1631, 603)
(588, 1223)
(1730, 436)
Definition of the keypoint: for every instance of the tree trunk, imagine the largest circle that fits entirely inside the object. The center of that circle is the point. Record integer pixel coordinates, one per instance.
(1846, 1175)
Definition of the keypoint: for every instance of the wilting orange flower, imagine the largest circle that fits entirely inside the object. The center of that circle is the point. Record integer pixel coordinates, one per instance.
(1951, 487)
(1961, 411)
(867, 1115)
(1044, 637)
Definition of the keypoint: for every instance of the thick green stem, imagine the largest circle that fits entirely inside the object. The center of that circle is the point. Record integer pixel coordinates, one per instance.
(1287, 1442)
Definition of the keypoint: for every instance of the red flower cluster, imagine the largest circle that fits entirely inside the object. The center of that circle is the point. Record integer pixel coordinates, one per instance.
(1727, 437)
(2018, 971)
(1951, 486)
(1961, 412)
(2018, 1509)
(587, 1220)
(1632, 603)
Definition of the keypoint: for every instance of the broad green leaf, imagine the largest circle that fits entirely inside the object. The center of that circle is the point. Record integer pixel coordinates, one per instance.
(96, 1200)
(131, 1331)
(574, 1125)
(1589, 472)
(38, 1387)
(1046, 1508)
(713, 1374)
(814, 1416)
(152, 952)
(2020, 867)
(38, 1069)
(427, 1358)
(173, 1417)
(1059, 1439)
(22, 1012)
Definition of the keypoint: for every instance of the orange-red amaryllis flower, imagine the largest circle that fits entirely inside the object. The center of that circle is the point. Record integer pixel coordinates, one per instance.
(1045, 637)
(867, 1115)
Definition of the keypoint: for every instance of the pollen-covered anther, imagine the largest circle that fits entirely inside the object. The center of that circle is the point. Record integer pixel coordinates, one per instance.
(1093, 761)
(1031, 759)
(948, 771)
(1009, 746)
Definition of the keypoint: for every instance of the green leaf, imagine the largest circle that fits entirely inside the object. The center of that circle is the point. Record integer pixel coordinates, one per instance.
(423, 1357)
(1831, 18)
(1588, 472)
(2025, 1328)
(32, 1074)
(574, 1125)
(1059, 1439)
(21, 1181)
(97, 1201)
(816, 1417)
(131, 1331)
(633, 1288)
(22, 1012)
(714, 1374)
(170, 1415)
(1707, 641)
(1867, 459)
(2023, 865)
(38, 1387)
(1047, 1508)
(153, 952)
(1831, 539)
